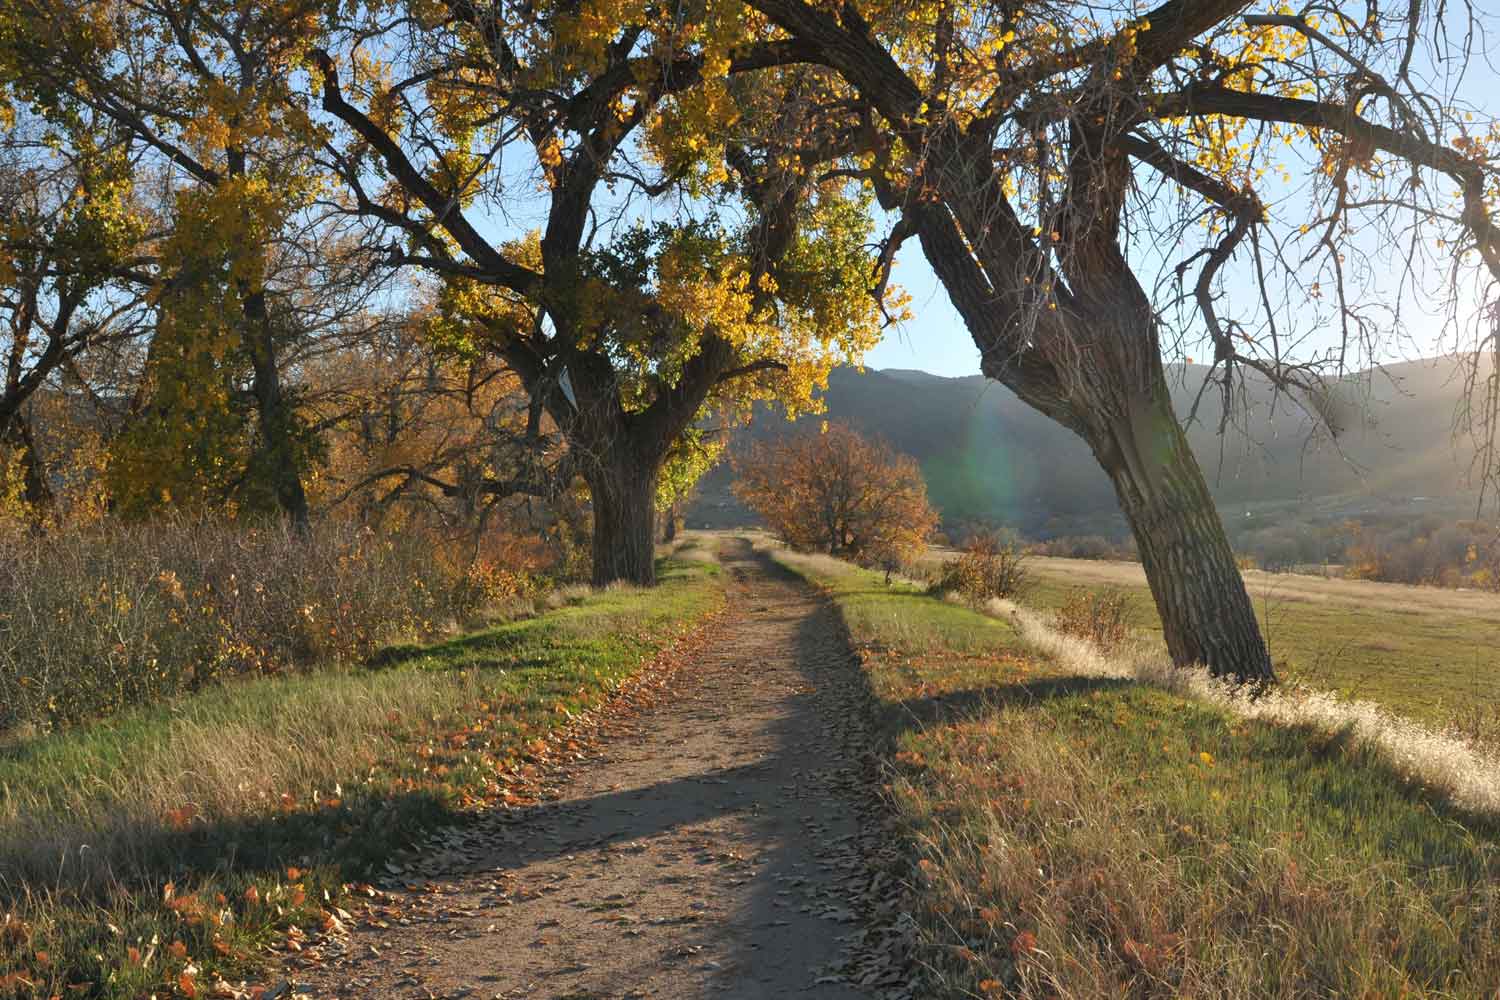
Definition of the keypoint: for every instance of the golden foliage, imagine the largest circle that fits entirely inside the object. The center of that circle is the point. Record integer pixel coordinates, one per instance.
(837, 492)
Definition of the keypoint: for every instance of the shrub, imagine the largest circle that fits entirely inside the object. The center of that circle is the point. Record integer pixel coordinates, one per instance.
(1099, 616)
(1087, 547)
(838, 493)
(1425, 551)
(990, 564)
(91, 622)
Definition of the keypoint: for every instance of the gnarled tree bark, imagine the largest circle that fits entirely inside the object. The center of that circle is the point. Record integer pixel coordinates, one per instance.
(624, 502)
(1206, 613)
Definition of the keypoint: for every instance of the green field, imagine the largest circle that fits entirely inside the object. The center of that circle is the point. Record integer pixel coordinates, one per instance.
(1422, 651)
(200, 832)
(1084, 836)
(1425, 652)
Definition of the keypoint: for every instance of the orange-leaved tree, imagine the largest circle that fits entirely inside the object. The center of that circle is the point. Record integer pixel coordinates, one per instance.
(834, 491)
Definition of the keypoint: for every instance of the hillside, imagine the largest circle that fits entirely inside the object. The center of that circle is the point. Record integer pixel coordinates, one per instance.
(987, 456)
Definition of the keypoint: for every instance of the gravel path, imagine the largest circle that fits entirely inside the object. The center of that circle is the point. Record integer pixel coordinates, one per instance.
(721, 844)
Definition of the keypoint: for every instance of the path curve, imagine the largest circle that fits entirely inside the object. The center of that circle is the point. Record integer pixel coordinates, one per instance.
(721, 845)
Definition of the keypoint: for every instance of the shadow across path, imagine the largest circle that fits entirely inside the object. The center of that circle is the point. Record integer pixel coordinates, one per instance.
(717, 847)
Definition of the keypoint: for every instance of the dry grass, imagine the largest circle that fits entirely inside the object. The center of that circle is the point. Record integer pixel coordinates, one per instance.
(1422, 652)
(80, 811)
(217, 794)
(94, 622)
(1297, 587)
(1092, 826)
(693, 546)
(1464, 769)
(1089, 842)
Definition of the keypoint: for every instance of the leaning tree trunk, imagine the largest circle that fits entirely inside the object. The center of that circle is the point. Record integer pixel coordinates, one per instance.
(1097, 370)
(624, 502)
(1205, 610)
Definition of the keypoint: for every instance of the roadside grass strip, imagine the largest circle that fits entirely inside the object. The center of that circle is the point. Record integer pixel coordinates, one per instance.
(167, 850)
(1082, 826)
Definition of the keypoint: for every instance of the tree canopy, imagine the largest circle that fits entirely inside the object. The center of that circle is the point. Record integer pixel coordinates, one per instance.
(655, 213)
(1047, 155)
(623, 330)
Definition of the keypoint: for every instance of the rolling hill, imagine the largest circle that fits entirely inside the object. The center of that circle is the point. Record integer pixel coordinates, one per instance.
(989, 457)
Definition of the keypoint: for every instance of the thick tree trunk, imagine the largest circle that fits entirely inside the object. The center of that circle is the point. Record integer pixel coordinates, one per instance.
(669, 526)
(624, 501)
(1096, 369)
(38, 492)
(275, 419)
(1205, 610)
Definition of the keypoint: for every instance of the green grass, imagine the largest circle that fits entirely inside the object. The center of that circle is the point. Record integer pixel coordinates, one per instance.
(1417, 661)
(1082, 837)
(220, 820)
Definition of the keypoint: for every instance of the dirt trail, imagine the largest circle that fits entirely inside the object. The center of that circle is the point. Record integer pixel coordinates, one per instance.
(718, 847)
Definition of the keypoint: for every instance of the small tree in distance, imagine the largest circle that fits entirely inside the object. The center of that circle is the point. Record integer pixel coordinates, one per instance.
(837, 492)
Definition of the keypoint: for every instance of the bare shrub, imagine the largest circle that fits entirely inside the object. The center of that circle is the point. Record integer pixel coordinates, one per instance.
(990, 565)
(92, 622)
(1100, 616)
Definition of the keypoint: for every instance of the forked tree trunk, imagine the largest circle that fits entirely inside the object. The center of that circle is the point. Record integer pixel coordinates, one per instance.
(1206, 613)
(624, 502)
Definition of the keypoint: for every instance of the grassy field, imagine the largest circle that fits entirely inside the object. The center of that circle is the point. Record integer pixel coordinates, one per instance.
(165, 848)
(1086, 836)
(1425, 652)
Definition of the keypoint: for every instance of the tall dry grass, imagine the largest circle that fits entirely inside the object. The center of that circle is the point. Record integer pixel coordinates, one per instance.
(1062, 857)
(96, 621)
(111, 801)
(1464, 769)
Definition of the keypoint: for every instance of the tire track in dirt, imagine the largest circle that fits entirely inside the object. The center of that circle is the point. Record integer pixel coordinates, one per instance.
(724, 844)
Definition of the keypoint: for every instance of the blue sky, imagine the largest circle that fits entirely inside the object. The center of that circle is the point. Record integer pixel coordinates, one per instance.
(935, 339)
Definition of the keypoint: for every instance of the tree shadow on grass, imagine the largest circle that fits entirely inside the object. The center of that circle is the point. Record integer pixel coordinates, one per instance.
(355, 836)
(967, 703)
(480, 649)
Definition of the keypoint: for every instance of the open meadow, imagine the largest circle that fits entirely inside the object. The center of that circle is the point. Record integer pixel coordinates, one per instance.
(1426, 652)
(1083, 829)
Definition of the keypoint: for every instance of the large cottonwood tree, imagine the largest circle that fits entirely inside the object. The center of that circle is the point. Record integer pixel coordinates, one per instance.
(453, 114)
(1047, 155)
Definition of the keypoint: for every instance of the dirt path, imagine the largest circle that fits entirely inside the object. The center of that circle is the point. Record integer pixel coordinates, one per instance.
(718, 847)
